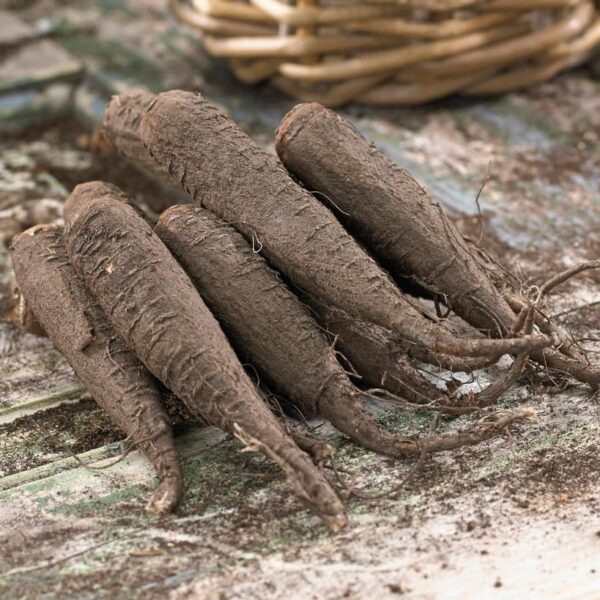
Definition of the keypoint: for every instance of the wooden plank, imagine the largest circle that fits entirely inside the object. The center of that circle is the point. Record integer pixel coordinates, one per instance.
(75, 528)
(33, 376)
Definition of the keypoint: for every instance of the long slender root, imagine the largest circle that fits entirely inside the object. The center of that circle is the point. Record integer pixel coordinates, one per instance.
(208, 155)
(350, 417)
(153, 305)
(107, 367)
(407, 230)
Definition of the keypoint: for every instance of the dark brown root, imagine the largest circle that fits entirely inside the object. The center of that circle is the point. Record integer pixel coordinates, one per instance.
(390, 212)
(375, 354)
(121, 130)
(212, 159)
(153, 305)
(492, 393)
(275, 330)
(353, 420)
(379, 356)
(109, 370)
(402, 224)
(565, 275)
(121, 126)
(266, 323)
(553, 362)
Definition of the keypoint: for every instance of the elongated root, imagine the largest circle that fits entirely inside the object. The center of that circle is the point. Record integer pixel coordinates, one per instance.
(153, 305)
(350, 417)
(447, 361)
(110, 371)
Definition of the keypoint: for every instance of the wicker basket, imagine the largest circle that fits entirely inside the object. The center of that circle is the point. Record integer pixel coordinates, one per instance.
(395, 51)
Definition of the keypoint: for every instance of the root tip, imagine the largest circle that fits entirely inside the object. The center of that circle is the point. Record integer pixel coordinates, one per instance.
(165, 498)
(336, 522)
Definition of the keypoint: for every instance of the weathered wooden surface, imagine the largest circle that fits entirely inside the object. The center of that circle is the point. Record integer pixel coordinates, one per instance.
(517, 517)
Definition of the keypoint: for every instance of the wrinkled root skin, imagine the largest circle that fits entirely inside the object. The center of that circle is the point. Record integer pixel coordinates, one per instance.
(389, 211)
(121, 126)
(216, 163)
(118, 298)
(375, 354)
(266, 322)
(153, 305)
(276, 331)
(385, 207)
(110, 371)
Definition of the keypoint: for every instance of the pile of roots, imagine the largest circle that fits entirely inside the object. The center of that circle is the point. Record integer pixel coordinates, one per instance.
(308, 271)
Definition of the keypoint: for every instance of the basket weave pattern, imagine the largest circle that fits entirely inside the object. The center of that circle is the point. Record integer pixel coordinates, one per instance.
(395, 51)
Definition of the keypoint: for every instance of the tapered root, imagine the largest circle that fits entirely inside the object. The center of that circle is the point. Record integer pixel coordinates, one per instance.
(110, 371)
(300, 473)
(153, 305)
(350, 417)
(443, 343)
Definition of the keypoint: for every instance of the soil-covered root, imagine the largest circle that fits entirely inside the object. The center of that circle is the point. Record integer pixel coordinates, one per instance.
(222, 169)
(122, 121)
(388, 209)
(318, 449)
(402, 224)
(274, 331)
(153, 305)
(383, 362)
(121, 126)
(375, 354)
(110, 371)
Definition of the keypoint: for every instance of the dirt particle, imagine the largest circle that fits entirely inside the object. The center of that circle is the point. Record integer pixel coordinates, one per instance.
(395, 588)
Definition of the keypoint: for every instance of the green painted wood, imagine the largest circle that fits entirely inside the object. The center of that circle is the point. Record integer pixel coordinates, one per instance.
(102, 457)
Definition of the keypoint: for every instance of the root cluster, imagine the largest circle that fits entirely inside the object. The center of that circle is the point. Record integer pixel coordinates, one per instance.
(315, 291)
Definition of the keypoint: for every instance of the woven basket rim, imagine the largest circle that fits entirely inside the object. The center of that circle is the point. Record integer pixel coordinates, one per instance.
(388, 51)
